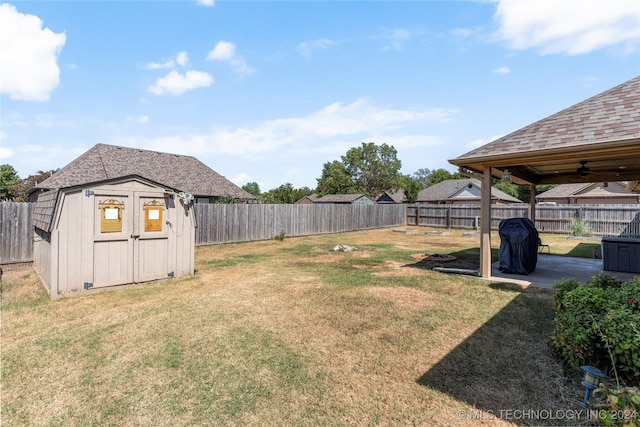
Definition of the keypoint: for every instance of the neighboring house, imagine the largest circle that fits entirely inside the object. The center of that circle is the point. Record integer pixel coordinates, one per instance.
(345, 199)
(590, 193)
(461, 191)
(105, 162)
(308, 200)
(116, 216)
(391, 197)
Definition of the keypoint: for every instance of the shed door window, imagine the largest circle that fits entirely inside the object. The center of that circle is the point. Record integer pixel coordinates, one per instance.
(153, 216)
(111, 216)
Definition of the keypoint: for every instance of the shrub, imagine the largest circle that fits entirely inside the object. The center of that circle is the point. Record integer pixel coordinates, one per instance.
(622, 407)
(579, 228)
(597, 324)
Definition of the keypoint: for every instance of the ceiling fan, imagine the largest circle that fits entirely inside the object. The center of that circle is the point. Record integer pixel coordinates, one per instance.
(583, 170)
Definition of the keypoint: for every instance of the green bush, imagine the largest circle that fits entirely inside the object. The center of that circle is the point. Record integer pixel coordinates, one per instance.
(579, 228)
(597, 324)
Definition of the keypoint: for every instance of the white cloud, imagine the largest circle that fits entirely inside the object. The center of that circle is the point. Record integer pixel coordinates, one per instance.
(140, 119)
(241, 179)
(501, 70)
(181, 59)
(205, 2)
(226, 51)
(305, 48)
(6, 153)
(159, 66)
(461, 33)
(332, 129)
(569, 26)
(223, 51)
(176, 83)
(396, 39)
(28, 56)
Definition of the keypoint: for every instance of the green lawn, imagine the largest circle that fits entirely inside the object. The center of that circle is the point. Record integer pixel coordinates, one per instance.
(290, 333)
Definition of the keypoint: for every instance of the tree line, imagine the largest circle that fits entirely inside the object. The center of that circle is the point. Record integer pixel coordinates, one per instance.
(368, 169)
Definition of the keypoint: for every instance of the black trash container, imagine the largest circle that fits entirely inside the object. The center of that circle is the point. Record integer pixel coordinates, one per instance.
(518, 246)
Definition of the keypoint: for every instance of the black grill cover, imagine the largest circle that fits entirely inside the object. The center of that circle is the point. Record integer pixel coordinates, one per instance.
(518, 246)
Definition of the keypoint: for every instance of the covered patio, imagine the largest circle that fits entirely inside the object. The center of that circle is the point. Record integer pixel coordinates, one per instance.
(595, 140)
(551, 268)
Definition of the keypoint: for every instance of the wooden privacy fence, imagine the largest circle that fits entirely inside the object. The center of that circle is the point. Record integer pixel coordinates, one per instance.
(222, 223)
(599, 220)
(16, 232)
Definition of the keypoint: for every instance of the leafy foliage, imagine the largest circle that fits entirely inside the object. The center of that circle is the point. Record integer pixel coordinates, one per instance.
(597, 324)
(286, 193)
(440, 175)
(579, 228)
(411, 189)
(623, 406)
(507, 187)
(335, 179)
(8, 180)
(423, 176)
(227, 200)
(524, 192)
(252, 188)
(369, 169)
(24, 186)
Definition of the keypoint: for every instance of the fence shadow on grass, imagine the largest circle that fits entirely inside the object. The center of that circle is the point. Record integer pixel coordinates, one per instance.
(506, 365)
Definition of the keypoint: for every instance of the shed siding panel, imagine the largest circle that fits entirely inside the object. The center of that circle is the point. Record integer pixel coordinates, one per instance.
(69, 242)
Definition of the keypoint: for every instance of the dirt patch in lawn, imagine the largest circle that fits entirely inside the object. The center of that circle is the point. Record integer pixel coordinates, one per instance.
(405, 297)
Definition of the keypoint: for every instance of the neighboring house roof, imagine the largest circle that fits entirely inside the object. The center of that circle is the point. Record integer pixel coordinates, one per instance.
(452, 189)
(311, 198)
(341, 198)
(590, 189)
(183, 173)
(391, 197)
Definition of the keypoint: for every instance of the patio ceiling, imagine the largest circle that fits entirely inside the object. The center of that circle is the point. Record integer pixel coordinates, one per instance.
(594, 140)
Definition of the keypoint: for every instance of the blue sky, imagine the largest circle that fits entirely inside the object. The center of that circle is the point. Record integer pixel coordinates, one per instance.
(269, 91)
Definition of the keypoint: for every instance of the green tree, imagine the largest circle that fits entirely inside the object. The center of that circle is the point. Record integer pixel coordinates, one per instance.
(335, 180)
(423, 176)
(286, 193)
(507, 187)
(411, 188)
(252, 188)
(227, 200)
(524, 192)
(8, 180)
(24, 186)
(369, 169)
(439, 175)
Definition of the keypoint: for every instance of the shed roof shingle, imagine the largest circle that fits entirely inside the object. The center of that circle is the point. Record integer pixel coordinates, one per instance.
(183, 173)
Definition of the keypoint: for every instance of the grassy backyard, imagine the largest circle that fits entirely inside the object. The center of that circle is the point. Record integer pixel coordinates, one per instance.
(291, 333)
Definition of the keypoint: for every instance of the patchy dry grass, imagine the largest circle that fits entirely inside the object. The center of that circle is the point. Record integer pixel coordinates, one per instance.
(274, 333)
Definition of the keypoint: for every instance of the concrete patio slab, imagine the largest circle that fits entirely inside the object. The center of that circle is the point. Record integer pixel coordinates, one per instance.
(551, 268)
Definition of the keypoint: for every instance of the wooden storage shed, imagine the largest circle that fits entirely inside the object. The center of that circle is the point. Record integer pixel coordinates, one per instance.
(117, 216)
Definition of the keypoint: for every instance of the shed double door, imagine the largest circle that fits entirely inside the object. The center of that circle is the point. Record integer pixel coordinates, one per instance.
(131, 240)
